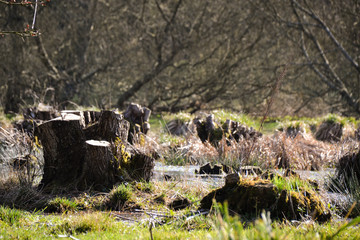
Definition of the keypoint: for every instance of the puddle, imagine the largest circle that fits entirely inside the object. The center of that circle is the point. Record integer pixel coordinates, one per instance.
(186, 173)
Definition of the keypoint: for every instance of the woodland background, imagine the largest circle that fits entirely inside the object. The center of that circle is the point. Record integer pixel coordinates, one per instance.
(175, 55)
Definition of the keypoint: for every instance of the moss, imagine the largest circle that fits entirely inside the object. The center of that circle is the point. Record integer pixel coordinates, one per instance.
(250, 197)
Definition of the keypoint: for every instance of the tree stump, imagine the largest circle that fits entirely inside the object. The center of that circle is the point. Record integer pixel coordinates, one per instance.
(64, 151)
(101, 169)
(139, 120)
(89, 157)
(140, 166)
(110, 127)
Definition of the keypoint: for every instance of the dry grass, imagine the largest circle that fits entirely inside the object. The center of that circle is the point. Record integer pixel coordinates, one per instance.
(302, 152)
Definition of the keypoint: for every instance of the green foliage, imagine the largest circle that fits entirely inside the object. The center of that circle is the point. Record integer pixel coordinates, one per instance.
(119, 195)
(182, 116)
(291, 183)
(144, 186)
(61, 205)
(231, 227)
(10, 216)
(332, 118)
(223, 115)
(81, 224)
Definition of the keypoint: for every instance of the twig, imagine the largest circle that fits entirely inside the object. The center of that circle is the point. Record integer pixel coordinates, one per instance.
(35, 12)
(268, 107)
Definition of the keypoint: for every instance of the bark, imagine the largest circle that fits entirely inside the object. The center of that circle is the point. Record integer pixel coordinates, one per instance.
(101, 170)
(64, 151)
(110, 127)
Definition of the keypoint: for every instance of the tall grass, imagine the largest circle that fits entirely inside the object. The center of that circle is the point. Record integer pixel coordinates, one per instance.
(301, 151)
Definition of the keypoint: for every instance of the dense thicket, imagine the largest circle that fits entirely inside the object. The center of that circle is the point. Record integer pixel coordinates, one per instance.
(185, 55)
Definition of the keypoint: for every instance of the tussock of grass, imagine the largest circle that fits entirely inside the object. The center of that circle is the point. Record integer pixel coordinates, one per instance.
(119, 195)
(61, 205)
(292, 183)
(10, 216)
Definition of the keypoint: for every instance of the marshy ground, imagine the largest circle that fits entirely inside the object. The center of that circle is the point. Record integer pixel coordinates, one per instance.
(169, 208)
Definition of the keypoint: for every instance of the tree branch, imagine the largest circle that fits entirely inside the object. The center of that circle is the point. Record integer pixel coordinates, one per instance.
(329, 33)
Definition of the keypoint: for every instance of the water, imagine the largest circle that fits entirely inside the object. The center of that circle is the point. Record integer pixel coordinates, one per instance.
(186, 173)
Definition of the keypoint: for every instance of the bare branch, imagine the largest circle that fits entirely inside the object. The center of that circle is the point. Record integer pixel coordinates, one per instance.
(329, 33)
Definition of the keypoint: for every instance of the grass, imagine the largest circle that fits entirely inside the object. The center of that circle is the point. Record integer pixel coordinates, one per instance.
(119, 195)
(231, 227)
(61, 205)
(103, 225)
(90, 215)
(302, 152)
(292, 183)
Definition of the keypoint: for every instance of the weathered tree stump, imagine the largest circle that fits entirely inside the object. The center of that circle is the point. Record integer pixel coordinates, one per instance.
(64, 151)
(100, 168)
(41, 112)
(89, 157)
(139, 120)
(91, 116)
(329, 131)
(110, 127)
(210, 130)
(139, 167)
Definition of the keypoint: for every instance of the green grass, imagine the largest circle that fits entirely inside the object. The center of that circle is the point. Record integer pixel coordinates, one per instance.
(10, 216)
(102, 225)
(292, 183)
(61, 205)
(223, 115)
(119, 195)
(231, 227)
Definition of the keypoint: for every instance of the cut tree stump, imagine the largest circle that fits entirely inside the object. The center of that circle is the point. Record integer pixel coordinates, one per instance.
(64, 151)
(101, 169)
(138, 118)
(110, 127)
(95, 157)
